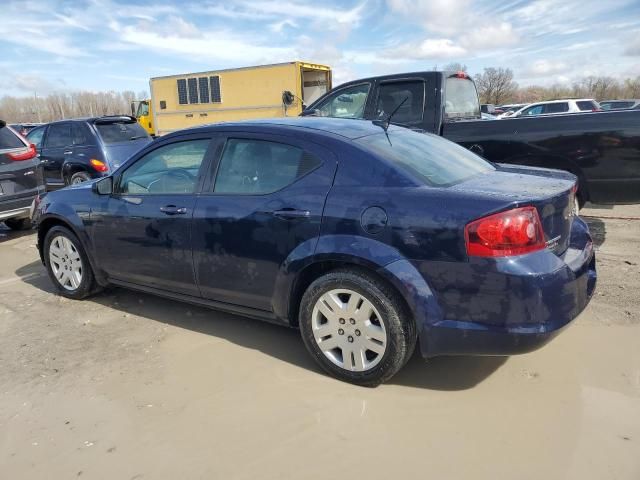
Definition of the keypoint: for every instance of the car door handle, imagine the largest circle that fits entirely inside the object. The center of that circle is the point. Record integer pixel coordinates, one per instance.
(68, 152)
(173, 210)
(289, 213)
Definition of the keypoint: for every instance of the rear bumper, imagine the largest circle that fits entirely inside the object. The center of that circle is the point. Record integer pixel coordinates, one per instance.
(18, 207)
(512, 306)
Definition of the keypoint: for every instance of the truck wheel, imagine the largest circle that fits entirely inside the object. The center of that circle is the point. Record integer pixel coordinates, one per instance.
(18, 223)
(67, 264)
(356, 327)
(79, 177)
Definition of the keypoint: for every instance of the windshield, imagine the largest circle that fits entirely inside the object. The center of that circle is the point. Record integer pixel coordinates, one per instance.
(120, 132)
(461, 99)
(430, 159)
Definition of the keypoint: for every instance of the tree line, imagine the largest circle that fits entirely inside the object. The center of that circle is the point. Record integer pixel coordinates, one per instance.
(496, 86)
(60, 105)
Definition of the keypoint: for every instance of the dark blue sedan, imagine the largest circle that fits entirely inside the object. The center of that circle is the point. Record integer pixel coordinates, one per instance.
(368, 240)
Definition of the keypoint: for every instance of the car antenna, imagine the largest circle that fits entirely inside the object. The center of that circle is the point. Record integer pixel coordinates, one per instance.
(385, 123)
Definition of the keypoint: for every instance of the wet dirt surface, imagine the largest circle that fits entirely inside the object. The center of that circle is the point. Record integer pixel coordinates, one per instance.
(129, 386)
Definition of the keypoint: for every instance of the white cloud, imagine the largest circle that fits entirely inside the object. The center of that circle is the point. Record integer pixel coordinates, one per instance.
(445, 17)
(498, 36)
(632, 48)
(437, 48)
(222, 46)
(544, 68)
(278, 27)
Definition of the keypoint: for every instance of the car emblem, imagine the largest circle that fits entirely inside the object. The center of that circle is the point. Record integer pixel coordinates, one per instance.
(553, 243)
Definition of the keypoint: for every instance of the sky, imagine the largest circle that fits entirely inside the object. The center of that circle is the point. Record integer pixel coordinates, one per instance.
(103, 45)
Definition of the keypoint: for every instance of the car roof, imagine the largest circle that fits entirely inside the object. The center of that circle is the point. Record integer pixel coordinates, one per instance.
(563, 101)
(94, 119)
(347, 128)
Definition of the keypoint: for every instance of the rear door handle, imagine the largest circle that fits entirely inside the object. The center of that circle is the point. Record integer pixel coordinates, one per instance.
(289, 213)
(68, 152)
(173, 210)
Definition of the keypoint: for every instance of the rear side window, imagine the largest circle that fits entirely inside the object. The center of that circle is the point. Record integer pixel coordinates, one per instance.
(587, 106)
(9, 140)
(35, 136)
(257, 167)
(120, 132)
(461, 99)
(59, 135)
(556, 107)
(429, 159)
(537, 110)
(392, 95)
(80, 134)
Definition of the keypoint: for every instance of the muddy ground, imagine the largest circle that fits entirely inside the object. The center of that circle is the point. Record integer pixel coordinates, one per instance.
(130, 386)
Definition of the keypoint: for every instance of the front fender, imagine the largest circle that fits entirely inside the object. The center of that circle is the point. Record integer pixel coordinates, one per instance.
(51, 212)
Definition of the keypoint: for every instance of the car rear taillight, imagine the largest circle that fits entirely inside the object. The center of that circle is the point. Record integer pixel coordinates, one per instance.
(26, 153)
(514, 232)
(98, 165)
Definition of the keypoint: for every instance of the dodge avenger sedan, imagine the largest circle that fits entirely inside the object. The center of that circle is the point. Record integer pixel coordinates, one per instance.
(367, 237)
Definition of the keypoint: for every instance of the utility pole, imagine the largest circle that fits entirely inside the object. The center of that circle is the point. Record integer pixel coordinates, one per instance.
(35, 98)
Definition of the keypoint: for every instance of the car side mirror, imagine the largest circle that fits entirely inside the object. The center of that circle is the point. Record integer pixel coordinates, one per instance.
(104, 186)
(309, 112)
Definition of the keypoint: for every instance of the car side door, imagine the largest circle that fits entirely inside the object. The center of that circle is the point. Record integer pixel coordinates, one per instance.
(57, 146)
(142, 232)
(262, 212)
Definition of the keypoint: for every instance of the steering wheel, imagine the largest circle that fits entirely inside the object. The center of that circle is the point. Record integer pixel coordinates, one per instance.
(181, 173)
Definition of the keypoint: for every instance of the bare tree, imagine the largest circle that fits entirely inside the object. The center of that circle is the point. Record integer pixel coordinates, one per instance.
(495, 85)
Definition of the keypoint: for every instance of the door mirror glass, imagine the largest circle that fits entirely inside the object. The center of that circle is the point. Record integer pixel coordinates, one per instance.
(104, 186)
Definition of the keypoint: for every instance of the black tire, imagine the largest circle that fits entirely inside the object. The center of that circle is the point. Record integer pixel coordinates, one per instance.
(400, 327)
(79, 177)
(87, 285)
(18, 223)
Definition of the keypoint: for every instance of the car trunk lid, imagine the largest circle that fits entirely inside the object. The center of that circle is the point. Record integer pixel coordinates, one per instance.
(551, 192)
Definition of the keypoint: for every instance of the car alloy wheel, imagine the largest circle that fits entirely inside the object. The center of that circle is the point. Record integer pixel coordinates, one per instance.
(349, 330)
(66, 263)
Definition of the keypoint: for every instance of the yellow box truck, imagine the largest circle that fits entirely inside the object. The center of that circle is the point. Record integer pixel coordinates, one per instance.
(181, 101)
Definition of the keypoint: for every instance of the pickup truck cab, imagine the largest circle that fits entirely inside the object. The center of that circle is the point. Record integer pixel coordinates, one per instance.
(601, 148)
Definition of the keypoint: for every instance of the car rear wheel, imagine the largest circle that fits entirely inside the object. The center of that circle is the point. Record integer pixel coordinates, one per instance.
(18, 223)
(79, 177)
(67, 264)
(356, 327)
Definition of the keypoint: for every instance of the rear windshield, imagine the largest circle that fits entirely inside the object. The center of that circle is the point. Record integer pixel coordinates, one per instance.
(461, 99)
(8, 139)
(428, 158)
(120, 132)
(587, 106)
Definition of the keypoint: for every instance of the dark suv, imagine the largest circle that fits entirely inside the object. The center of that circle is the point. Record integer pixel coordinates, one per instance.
(21, 179)
(73, 151)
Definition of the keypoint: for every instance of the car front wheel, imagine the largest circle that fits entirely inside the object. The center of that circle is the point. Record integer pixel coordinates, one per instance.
(67, 264)
(356, 327)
